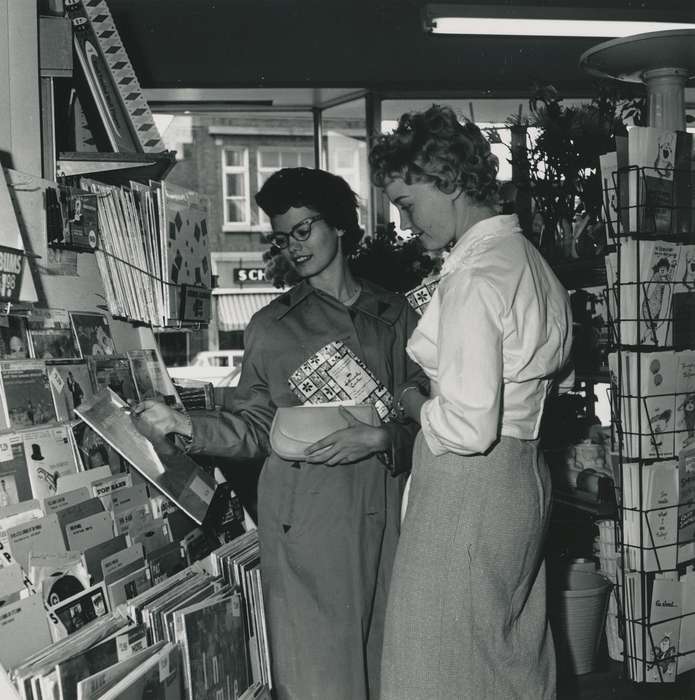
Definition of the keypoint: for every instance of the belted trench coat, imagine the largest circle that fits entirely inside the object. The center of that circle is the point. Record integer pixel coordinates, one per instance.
(327, 534)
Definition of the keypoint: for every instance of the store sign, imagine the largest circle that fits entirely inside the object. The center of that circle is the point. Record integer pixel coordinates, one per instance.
(195, 304)
(246, 275)
(11, 269)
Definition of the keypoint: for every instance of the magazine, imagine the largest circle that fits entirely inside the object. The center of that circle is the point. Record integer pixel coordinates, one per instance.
(419, 297)
(335, 373)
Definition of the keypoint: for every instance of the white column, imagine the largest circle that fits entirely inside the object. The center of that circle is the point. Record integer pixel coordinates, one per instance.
(20, 115)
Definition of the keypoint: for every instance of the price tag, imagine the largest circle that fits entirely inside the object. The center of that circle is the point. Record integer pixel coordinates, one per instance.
(5, 448)
(123, 650)
(56, 380)
(164, 667)
(201, 489)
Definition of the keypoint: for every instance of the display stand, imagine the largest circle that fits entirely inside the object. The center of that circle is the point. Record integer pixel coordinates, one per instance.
(152, 534)
(663, 61)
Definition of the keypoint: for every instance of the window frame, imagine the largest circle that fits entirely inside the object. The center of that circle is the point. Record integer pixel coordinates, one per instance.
(235, 170)
(263, 222)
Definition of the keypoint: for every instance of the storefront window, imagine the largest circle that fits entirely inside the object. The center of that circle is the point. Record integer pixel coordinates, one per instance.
(272, 159)
(345, 150)
(236, 187)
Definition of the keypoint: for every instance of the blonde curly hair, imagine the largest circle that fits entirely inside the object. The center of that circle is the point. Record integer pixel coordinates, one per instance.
(435, 147)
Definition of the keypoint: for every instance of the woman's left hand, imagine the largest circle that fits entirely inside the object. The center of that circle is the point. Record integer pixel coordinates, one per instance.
(351, 444)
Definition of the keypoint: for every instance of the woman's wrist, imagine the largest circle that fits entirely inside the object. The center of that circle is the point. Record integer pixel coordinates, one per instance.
(382, 441)
(401, 409)
(183, 436)
(184, 425)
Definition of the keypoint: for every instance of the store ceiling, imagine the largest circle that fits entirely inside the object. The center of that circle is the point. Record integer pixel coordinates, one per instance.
(344, 45)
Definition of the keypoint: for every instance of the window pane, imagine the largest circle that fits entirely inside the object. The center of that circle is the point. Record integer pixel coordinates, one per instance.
(345, 130)
(306, 159)
(269, 159)
(235, 185)
(233, 158)
(235, 211)
(344, 158)
(290, 159)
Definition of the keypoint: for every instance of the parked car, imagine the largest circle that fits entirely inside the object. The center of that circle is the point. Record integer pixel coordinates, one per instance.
(231, 379)
(212, 366)
(218, 358)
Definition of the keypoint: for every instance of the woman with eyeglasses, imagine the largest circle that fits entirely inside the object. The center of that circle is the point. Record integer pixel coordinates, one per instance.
(466, 615)
(328, 525)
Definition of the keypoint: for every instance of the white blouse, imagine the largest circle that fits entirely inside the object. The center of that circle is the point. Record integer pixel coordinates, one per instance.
(498, 328)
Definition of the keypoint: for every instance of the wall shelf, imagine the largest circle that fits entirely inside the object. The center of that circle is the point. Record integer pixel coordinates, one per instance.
(117, 168)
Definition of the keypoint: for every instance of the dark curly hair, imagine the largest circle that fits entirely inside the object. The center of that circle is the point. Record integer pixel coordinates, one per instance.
(435, 147)
(325, 193)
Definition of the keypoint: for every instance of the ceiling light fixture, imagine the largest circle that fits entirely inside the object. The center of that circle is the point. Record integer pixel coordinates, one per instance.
(519, 20)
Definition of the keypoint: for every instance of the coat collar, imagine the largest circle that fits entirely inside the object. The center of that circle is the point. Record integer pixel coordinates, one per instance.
(383, 306)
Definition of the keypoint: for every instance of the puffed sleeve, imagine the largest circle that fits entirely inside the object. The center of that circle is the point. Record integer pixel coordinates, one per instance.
(465, 417)
(242, 432)
(406, 373)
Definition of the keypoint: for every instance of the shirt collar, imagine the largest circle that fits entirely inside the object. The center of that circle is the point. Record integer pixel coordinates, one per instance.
(381, 305)
(492, 226)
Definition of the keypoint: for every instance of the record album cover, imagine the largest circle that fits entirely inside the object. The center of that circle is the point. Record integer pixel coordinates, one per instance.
(26, 396)
(51, 335)
(13, 338)
(93, 334)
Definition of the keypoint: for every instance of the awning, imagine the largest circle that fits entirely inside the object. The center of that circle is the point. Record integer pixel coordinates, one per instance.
(234, 311)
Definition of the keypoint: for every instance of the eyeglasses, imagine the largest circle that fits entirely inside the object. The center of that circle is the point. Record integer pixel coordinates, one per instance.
(300, 232)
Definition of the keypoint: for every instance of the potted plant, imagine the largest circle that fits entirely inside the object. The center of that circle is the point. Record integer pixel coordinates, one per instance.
(560, 165)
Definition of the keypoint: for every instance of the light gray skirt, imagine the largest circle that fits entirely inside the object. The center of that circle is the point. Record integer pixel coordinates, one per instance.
(466, 615)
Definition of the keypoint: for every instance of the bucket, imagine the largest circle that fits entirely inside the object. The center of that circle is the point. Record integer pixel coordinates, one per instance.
(579, 618)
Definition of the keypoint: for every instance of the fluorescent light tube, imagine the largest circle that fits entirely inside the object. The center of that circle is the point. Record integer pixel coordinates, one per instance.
(546, 27)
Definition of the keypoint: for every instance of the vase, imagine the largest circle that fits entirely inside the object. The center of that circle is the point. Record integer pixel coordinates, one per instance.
(564, 239)
(555, 240)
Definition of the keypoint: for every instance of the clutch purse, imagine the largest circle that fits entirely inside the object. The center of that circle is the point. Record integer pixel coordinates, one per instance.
(296, 427)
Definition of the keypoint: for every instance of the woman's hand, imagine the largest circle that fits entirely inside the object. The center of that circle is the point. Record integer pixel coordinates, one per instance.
(411, 400)
(155, 420)
(351, 444)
